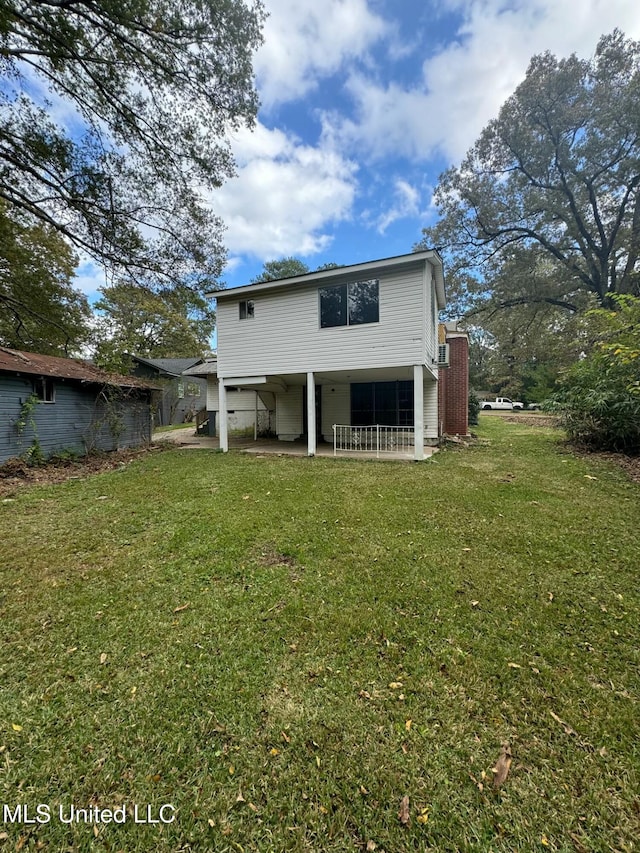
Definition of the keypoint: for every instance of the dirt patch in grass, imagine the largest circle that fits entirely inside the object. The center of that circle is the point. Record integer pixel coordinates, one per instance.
(270, 556)
(533, 420)
(630, 464)
(16, 473)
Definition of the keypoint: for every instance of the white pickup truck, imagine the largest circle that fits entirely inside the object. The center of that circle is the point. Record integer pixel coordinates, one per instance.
(501, 403)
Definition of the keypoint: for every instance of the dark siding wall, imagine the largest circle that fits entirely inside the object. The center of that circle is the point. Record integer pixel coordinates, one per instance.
(80, 419)
(168, 397)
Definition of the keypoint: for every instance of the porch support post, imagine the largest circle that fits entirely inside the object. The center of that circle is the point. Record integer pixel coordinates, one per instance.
(311, 414)
(418, 412)
(255, 425)
(223, 429)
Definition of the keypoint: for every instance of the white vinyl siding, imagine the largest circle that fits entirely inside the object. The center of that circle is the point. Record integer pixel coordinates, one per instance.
(430, 319)
(240, 401)
(285, 336)
(289, 413)
(336, 408)
(430, 409)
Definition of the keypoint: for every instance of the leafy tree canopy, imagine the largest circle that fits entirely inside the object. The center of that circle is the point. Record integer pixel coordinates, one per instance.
(40, 311)
(288, 268)
(282, 268)
(113, 121)
(173, 323)
(545, 207)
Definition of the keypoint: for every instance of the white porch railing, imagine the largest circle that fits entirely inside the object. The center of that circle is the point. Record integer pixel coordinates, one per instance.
(372, 439)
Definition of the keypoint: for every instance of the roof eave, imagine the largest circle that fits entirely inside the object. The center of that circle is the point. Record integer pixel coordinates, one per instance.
(430, 255)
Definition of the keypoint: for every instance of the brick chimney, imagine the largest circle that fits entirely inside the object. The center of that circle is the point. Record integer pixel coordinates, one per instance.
(453, 382)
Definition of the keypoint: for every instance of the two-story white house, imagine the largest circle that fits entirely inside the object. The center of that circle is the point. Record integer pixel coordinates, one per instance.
(354, 346)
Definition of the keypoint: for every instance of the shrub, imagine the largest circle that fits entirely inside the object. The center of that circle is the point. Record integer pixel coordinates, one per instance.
(599, 401)
(474, 408)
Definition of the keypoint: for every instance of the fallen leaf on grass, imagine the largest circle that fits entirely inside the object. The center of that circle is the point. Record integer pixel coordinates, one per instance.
(514, 665)
(103, 658)
(16, 727)
(403, 813)
(182, 607)
(567, 728)
(371, 846)
(395, 685)
(501, 769)
(407, 725)
(423, 817)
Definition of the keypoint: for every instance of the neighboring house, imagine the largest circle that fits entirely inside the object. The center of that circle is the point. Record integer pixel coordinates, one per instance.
(356, 347)
(247, 411)
(49, 405)
(181, 398)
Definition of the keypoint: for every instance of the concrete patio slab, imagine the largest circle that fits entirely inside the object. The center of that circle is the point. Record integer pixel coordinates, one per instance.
(186, 439)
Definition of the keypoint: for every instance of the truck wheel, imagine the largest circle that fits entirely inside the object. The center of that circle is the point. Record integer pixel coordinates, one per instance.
(517, 408)
(486, 407)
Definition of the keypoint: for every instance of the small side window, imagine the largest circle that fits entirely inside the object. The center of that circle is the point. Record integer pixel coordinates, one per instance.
(246, 309)
(44, 390)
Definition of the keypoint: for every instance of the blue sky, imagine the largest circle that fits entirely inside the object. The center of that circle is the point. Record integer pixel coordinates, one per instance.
(364, 103)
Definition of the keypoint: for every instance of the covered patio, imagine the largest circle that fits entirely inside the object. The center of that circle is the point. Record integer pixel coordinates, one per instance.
(380, 412)
(187, 439)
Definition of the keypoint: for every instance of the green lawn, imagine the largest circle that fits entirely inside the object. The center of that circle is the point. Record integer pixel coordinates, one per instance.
(284, 648)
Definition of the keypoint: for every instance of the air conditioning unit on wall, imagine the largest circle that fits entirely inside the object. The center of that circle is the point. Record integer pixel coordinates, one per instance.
(443, 355)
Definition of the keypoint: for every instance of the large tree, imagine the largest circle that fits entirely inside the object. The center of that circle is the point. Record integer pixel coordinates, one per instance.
(132, 319)
(40, 310)
(114, 118)
(550, 192)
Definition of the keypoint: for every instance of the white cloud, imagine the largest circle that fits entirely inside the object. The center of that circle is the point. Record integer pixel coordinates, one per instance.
(406, 203)
(285, 196)
(464, 84)
(304, 42)
(89, 278)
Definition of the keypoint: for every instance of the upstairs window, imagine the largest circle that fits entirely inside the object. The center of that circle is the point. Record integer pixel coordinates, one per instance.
(246, 309)
(44, 390)
(350, 304)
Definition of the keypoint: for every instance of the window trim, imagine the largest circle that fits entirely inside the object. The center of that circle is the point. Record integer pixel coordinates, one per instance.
(347, 285)
(246, 309)
(44, 389)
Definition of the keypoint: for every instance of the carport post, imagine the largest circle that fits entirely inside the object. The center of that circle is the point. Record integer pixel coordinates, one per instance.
(311, 414)
(223, 426)
(418, 412)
